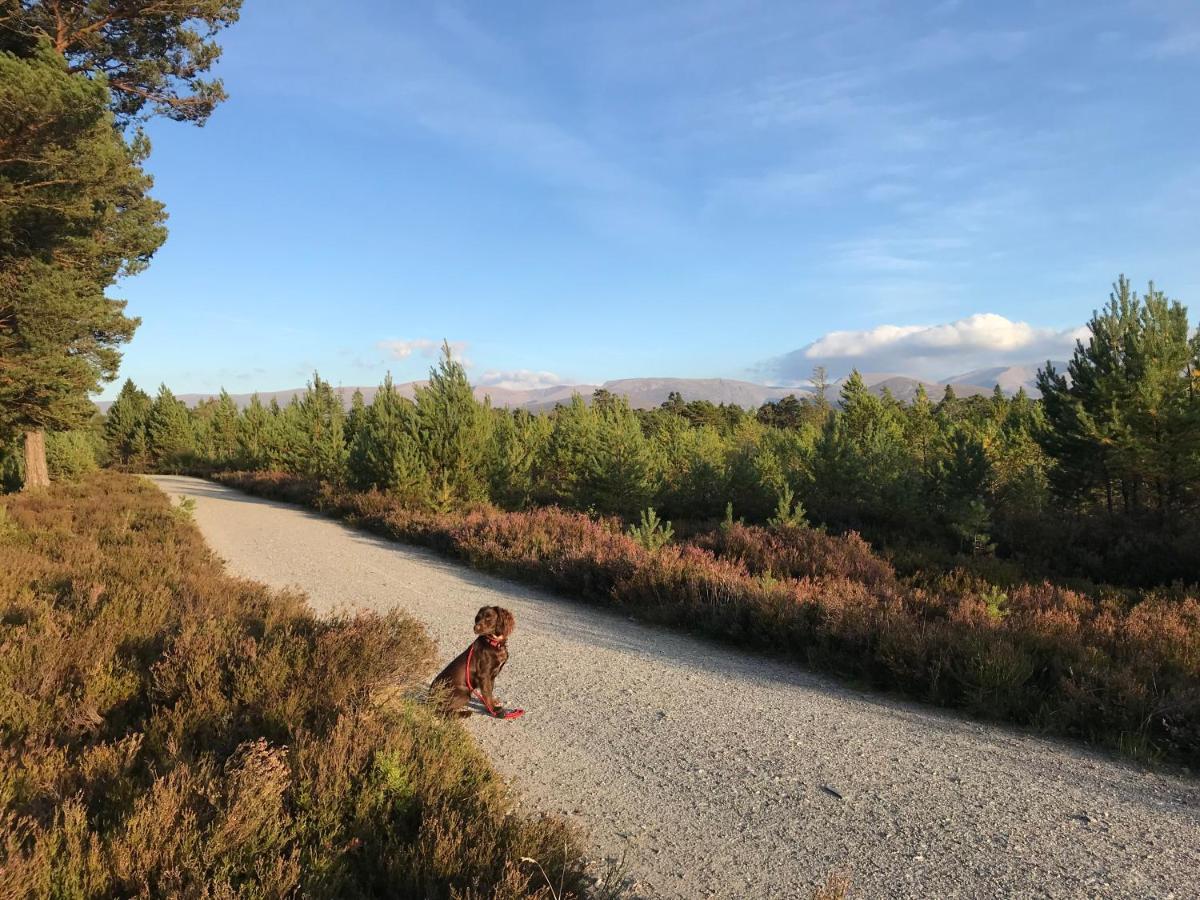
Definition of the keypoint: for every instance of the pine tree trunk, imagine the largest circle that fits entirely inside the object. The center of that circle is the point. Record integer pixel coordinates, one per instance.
(36, 473)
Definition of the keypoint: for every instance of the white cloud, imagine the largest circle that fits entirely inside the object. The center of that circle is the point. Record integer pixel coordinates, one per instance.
(936, 351)
(521, 379)
(430, 349)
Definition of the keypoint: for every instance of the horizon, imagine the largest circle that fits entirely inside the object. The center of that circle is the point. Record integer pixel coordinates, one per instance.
(569, 195)
(642, 393)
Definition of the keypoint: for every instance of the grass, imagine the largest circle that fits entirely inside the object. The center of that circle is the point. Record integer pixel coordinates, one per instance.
(168, 730)
(1119, 671)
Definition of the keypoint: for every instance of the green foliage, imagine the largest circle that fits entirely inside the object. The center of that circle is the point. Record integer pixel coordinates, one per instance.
(215, 423)
(620, 469)
(72, 454)
(153, 54)
(75, 214)
(74, 217)
(727, 523)
(961, 479)
(863, 469)
(651, 532)
(169, 428)
(789, 512)
(126, 427)
(257, 447)
(1124, 427)
(694, 459)
(312, 434)
(563, 470)
(519, 442)
(455, 434)
(385, 452)
(12, 465)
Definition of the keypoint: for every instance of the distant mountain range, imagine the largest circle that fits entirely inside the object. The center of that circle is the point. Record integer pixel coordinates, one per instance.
(980, 381)
(647, 393)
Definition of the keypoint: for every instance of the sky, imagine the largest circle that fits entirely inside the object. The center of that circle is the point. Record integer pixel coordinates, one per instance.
(574, 192)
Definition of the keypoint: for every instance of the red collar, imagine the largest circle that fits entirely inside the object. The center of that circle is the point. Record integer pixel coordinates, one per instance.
(494, 641)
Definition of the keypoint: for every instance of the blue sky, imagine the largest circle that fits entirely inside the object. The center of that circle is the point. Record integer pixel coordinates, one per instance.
(583, 191)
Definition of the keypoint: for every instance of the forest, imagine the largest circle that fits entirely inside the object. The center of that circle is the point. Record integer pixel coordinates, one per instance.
(1099, 479)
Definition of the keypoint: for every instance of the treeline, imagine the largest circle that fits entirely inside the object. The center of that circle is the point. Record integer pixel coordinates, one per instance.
(1096, 479)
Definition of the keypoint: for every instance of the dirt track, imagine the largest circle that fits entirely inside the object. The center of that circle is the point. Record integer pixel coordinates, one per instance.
(723, 774)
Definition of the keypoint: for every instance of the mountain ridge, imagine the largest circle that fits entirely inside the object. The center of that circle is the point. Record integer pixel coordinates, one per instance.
(648, 393)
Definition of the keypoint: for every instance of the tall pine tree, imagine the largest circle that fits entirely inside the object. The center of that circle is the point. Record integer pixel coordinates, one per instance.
(75, 216)
(455, 432)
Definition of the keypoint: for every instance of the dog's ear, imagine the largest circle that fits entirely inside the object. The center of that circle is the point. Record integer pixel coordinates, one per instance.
(506, 622)
(485, 619)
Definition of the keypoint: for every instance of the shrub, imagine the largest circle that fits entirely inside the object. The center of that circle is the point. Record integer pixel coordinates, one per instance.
(71, 454)
(651, 532)
(789, 512)
(797, 552)
(1122, 673)
(166, 730)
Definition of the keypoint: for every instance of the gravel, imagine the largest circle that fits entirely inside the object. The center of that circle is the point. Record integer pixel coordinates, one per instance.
(723, 774)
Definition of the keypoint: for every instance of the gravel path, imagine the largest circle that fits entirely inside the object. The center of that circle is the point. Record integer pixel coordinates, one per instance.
(723, 774)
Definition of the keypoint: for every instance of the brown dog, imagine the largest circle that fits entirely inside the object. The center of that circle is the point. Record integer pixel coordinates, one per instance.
(476, 668)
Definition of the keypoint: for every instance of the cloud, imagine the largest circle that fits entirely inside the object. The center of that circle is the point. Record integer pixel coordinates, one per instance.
(932, 351)
(521, 379)
(430, 349)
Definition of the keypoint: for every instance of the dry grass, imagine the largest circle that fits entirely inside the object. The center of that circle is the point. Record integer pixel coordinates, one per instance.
(167, 730)
(1120, 672)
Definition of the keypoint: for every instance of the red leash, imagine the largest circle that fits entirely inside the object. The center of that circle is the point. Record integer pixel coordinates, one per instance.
(512, 713)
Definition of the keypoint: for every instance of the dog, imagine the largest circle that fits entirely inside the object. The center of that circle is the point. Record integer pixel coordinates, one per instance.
(476, 668)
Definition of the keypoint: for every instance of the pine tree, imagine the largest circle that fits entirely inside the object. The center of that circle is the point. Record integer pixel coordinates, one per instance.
(74, 217)
(125, 427)
(921, 432)
(963, 486)
(1124, 425)
(385, 453)
(454, 431)
(519, 441)
(562, 474)
(354, 418)
(620, 472)
(756, 476)
(314, 434)
(74, 211)
(254, 434)
(172, 439)
(153, 53)
(862, 466)
(223, 443)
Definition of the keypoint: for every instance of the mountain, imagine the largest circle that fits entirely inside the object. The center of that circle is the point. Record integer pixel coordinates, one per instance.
(1010, 378)
(904, 388)
(643, 393)
(648, 393)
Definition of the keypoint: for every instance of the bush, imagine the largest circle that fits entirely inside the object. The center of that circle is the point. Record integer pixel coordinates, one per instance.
(166, 730)
(72, 454)
(12, 465)
(1121, 673)
(651, 532)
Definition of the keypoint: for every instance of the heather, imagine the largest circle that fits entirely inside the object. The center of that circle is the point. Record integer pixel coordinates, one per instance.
(1027, 559)
(1119, 669)
(1097, 480)
(168, 730)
